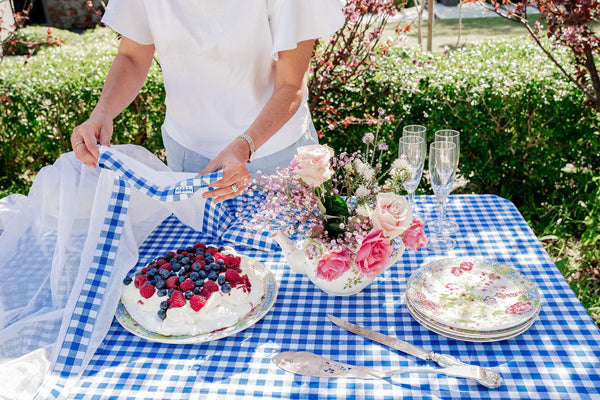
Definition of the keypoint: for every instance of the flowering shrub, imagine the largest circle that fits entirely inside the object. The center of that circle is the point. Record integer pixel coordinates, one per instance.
(345, 202)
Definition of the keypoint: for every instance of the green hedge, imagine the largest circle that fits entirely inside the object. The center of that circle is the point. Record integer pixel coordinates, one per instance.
(44, 97)
(526, 134)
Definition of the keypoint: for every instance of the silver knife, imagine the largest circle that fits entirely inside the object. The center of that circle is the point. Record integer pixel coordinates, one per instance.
(490, 378)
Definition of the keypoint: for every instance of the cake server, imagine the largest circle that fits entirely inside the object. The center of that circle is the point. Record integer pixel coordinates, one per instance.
(310, 364)
(485, 376)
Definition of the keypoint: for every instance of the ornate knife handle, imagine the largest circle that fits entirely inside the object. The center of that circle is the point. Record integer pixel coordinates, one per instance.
(486, 377)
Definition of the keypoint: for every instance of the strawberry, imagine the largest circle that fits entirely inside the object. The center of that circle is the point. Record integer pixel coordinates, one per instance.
(172, 282)
(188, 284)
(147, 291)
(197, 302)
(177, 299)
(140, 280)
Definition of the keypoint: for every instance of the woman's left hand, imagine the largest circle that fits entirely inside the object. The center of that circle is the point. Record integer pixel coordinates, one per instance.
(236, 176)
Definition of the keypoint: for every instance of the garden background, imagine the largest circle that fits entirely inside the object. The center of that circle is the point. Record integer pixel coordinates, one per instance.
(529, 133)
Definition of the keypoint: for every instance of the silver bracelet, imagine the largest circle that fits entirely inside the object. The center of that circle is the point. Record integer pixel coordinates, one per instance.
(250, 142)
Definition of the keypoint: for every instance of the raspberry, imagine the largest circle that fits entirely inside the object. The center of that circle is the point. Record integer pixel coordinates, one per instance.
(199, 245)
(188, 284)
(144, 270)
(211, 286)
(211, 250)
(166, 266)
(161, 262)
(140, 280)
(172, 282)
(147, 291)
(232, 276)
(177, 299)
(197, 302)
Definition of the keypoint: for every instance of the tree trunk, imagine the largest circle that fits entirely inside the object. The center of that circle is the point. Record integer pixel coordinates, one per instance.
(429, 24)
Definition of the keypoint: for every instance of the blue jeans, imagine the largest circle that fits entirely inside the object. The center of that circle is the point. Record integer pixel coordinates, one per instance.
(182, 159)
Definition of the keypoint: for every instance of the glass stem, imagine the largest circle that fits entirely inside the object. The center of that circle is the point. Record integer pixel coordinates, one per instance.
(411, 202)
(441, 217)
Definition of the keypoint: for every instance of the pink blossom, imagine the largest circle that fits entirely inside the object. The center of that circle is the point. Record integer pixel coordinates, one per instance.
(373, 256)
(333, 264)
(314, 164)
(392, 214)
(414, 238)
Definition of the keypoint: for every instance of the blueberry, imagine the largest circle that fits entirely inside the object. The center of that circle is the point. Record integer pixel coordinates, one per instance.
(186, 260)
(164, 273)
(188, 294)
(186, 269)
(197, 290)
(168, 256)
(199, 251)
(149, 283)
(164, 305)
(214, 267)
(127, 280)
(175, 267)
(221, 280)
(221, 248)
(213, 275)
(170, 292)
(182, 279)
(226, 288)
(199, 283)
(161, 292)
(189, 249)
(203, 274)
(221, 262)
(209, 258)
(160, 284)
(194, 276)
(196, 267)
(162, 314)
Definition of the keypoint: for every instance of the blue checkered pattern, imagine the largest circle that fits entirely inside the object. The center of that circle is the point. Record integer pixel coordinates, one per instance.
(557, 358)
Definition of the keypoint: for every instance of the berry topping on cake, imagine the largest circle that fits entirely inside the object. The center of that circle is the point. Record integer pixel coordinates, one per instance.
(177, 299)
(197, 302)
(172, 282)
(188, 284)
(140, 280)
(147, 291)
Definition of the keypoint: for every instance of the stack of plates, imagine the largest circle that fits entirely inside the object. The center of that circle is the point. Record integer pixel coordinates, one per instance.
(472, 299)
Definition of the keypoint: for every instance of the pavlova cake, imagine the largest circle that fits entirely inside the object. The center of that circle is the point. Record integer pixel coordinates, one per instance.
(192, 291)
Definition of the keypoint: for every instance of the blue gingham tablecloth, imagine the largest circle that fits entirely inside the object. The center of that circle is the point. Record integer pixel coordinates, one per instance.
(557, 358)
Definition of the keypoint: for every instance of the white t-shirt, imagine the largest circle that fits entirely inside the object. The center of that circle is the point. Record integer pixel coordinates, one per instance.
(218, 61)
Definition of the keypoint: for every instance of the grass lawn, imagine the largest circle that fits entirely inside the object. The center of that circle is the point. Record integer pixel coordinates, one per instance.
(473, 30)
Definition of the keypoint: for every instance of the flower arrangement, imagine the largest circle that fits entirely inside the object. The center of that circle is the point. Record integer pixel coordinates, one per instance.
(345, 203)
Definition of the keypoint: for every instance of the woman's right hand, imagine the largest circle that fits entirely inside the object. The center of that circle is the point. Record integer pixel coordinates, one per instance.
(85, 138)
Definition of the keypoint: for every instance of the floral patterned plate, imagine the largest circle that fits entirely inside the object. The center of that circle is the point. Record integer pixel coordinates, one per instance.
(469, 337)
(255, 315)
(474, 295)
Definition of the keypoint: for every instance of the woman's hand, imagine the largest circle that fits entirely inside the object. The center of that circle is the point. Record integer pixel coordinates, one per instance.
(85, 138)
(236, 176)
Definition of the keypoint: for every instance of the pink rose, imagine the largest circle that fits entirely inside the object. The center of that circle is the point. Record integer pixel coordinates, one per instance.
(313, 164)
(374, 253)
(392, 214)
(414, 238)
(333, 264)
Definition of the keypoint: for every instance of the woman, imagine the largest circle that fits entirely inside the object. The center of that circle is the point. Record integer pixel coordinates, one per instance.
(235, 74)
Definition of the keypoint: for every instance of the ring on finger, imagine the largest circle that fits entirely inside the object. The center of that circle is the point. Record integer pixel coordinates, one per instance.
(78, 143)
(235, 188)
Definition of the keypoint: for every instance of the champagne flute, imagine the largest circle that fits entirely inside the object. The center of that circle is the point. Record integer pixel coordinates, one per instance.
(449, 135)
(442, 161)
(415, 130)
(414, 149)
